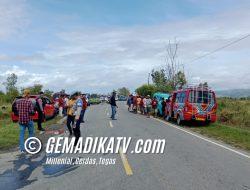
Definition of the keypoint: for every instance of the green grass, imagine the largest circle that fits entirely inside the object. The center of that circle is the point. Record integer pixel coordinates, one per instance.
(236, 136)
(9, 131)
(233, 123)
(234, 112)
(9, 134)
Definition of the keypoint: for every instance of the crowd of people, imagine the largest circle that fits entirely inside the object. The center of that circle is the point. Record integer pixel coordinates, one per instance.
(146, 105)
(73, 107)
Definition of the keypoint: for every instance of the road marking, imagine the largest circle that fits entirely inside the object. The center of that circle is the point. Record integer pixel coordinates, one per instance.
(203, 138)
(111, 124)
(126, 165)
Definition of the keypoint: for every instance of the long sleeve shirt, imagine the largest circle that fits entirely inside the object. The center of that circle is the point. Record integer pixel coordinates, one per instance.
(112, 101)
(24, 108)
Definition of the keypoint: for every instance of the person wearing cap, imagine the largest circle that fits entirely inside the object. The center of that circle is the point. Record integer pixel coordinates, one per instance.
(40, 111)
(113, 105)
(25, 110)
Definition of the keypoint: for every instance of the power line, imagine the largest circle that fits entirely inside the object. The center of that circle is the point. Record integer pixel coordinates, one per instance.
(220, 48)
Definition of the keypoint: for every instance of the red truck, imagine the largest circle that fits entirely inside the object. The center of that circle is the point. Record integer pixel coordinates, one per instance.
(192, 103)
(49, 109)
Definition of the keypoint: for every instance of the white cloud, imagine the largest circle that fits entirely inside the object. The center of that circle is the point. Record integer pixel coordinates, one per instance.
(101, 59)
(13, 17)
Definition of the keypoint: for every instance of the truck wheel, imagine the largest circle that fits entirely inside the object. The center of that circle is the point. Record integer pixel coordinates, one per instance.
(179, 122)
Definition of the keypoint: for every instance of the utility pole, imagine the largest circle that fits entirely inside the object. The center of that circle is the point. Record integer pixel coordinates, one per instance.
(148, 77)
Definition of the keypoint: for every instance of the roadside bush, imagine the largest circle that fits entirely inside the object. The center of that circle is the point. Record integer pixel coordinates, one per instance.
(234, 112)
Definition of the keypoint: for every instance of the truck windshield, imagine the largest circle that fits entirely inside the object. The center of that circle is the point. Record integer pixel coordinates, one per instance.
(200, 96)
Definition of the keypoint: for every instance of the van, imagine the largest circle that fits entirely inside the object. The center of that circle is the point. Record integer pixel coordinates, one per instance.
(193, 103)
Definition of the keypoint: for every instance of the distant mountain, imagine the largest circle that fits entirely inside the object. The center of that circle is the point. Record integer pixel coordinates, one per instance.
(234, 93)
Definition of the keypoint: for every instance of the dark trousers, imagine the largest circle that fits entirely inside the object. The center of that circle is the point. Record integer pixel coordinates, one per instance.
(82, 115)
(70, 123)
(40, 120)
(77, 131)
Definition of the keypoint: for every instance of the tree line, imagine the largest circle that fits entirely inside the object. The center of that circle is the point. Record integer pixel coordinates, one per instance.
(12, 90)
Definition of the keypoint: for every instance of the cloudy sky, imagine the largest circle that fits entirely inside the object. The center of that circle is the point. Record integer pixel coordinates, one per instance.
(97, 46)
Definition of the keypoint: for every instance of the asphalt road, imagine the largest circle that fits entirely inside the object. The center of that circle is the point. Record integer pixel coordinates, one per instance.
(189, 162)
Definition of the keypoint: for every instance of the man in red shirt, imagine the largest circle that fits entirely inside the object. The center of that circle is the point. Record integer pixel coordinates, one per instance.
(25, 111)
(154, 106)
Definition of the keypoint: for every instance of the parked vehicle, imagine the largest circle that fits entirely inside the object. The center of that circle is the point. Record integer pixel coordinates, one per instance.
(159, 96)
(49, 108)
(193, 103)
(122, 98)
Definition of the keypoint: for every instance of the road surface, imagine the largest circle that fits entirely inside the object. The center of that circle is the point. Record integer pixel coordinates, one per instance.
(189, 162)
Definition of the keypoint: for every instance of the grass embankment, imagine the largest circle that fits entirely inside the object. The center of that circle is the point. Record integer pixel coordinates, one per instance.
(233, 123)
(9, 131)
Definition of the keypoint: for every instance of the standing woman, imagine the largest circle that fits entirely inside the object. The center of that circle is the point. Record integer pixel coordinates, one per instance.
(70, 114)
(84, 107)
(77, 107)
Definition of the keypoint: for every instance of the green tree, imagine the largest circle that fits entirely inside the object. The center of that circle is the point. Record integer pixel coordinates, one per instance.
(160, 81)
(158, 77)
(123, 91)
(36, 88)
(180, 79)
(170, 77)
(48, 93)
(11, 89)
(145, 90)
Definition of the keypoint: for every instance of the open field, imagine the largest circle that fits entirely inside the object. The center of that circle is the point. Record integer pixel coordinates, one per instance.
(233, 124)
(9, 131)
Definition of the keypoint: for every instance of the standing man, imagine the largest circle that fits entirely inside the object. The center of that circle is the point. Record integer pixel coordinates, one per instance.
(39, 106)
(77, 108)
(84, 107)
(113, 105)
(25, 111)
(129, 102)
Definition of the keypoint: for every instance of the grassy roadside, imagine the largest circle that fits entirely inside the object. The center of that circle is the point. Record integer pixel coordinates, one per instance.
(235, 136)
(9, 132)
